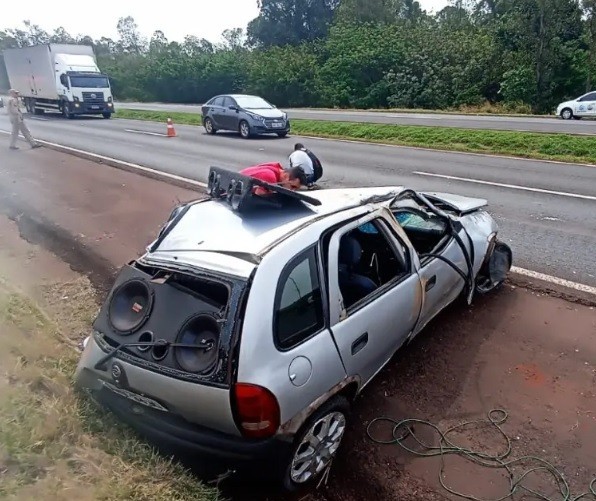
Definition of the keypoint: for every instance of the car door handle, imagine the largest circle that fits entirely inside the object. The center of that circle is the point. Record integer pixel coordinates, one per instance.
(360, 343)
(432, 281)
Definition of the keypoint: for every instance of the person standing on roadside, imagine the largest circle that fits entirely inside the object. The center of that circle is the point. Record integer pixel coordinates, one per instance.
(306, 160)
(18, 122)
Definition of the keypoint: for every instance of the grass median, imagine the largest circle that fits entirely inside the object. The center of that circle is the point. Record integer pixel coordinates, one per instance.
(54, 444)
(562, 147)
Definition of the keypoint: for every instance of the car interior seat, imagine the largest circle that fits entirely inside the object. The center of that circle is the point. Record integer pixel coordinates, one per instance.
(352, 285)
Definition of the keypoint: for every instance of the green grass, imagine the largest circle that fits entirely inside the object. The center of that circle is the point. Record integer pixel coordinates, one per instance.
(562, 147)
(54, 443)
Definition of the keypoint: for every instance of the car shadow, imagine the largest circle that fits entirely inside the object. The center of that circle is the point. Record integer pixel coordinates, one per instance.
(231, 135)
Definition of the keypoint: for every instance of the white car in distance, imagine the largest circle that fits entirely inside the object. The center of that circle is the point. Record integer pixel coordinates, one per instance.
(583, 106)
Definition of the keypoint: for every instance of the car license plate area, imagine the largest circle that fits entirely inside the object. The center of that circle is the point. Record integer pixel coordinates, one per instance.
(277, 125)
(94, 107)
(135, 397)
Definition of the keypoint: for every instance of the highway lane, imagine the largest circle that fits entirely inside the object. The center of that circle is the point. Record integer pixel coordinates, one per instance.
(531, 124)
(546, 211)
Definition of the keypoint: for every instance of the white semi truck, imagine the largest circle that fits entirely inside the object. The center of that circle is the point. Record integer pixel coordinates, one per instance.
(59, 77)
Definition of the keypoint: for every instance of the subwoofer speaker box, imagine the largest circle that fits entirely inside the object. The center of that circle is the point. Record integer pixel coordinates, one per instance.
(139, 310)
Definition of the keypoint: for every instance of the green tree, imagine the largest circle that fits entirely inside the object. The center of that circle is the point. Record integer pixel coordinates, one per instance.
(282, 22)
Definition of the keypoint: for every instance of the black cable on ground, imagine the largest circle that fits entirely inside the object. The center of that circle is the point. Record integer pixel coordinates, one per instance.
(402, 430)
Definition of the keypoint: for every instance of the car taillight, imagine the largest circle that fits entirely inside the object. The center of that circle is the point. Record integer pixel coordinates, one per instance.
(257, 411)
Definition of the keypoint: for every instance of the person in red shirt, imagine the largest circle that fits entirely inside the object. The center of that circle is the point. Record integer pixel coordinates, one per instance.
(274, 173)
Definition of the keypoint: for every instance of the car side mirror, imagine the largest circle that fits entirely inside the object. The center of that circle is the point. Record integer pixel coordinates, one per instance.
(233, 107)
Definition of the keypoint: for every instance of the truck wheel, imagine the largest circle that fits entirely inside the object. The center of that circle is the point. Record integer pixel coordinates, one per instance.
(65, 112)
(38, 111)
(107, 115)
(316, 445)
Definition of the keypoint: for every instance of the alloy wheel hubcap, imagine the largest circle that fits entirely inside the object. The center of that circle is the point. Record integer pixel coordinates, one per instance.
(566, 114)
(208, 125)
(244, 129)
(318, 447)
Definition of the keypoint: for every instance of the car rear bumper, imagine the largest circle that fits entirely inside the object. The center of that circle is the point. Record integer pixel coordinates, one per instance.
(136, 397)
(172, 432)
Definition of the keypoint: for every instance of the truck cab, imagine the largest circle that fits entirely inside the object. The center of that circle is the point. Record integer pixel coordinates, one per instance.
(84, 88)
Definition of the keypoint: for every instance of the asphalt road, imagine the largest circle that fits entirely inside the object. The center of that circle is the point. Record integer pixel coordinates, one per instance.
(546, 211)
(531, 124)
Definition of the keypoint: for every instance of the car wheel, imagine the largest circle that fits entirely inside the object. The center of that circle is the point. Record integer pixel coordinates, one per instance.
(209, 127)
(282, 134)
(494, 273)
(244, 129)
(567, 114)
(107, 115)
(316, 445)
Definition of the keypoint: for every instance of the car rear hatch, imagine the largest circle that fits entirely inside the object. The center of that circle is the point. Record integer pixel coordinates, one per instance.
(164, 338)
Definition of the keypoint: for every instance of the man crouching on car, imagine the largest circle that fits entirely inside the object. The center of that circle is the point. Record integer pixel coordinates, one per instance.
(274, 173)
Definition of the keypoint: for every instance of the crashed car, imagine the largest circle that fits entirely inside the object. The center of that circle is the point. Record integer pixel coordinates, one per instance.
(251, 323)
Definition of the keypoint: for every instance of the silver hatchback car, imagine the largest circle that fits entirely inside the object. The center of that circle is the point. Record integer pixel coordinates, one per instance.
(252, 322)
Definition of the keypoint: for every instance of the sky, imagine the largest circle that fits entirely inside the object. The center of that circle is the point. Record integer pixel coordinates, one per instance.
(173, 17)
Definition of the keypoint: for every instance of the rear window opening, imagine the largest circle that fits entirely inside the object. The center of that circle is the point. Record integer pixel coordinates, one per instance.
(212, 292)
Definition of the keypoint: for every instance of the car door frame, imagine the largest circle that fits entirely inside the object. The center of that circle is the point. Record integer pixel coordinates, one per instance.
(380, 348)
(440, 282)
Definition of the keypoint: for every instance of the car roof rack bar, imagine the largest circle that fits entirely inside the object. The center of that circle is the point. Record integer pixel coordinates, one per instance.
(237, 191)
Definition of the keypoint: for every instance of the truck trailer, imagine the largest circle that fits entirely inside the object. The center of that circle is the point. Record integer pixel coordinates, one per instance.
(59, 77)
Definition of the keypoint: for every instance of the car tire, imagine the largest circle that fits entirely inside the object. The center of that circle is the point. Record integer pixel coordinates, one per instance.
(282, 134)
(500, 256)
(209, 127)
(107, 115)
(567, 114)
(244, 129)
(332, 414)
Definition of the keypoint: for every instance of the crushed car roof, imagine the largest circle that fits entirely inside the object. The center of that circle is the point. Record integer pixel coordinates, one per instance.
(213, 227)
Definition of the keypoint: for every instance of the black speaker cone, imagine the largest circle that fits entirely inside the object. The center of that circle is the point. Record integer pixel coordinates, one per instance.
(201, 331)
(130, 306)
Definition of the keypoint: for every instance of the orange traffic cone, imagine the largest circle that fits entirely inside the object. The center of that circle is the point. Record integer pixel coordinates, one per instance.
(171, 130)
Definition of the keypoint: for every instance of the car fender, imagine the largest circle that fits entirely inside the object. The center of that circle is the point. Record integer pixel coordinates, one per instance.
(350, 385)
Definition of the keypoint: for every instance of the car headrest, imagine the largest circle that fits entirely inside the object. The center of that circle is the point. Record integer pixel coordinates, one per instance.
(350, 250)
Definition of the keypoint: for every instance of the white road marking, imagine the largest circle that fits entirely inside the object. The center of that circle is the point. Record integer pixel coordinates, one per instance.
(554, 280)
(521, 271)
(505, 185)
(161, 134)
(140, 168)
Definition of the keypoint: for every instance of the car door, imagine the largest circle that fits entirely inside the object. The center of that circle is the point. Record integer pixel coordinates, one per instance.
(430, 237)
(231, 117)
(216, 112)
(368, 329)
(586, 105)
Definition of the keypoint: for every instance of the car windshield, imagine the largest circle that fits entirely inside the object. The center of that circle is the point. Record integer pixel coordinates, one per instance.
(90, 82)
(253, 103)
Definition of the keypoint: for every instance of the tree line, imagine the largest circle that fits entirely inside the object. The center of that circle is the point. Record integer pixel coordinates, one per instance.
(519, 54)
